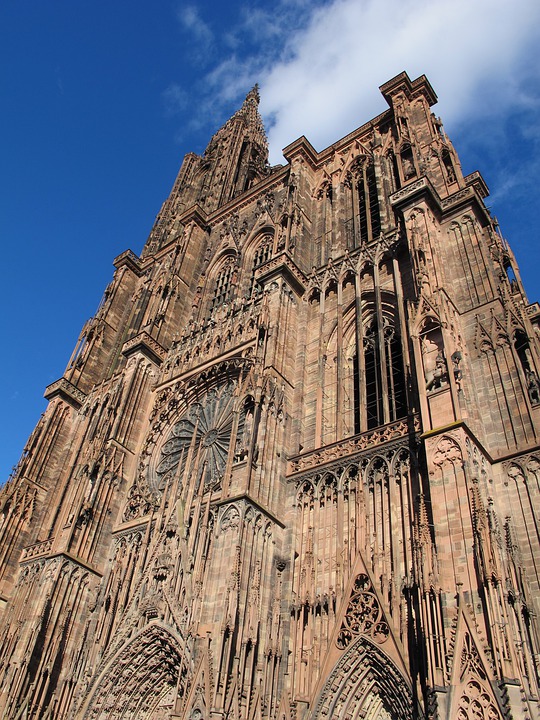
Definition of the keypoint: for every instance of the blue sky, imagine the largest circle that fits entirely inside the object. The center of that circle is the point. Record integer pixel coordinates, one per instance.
(100, 102)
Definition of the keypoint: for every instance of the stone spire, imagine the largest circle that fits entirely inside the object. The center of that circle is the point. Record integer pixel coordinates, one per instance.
(235, 159)
(249, 118)
(237, 154)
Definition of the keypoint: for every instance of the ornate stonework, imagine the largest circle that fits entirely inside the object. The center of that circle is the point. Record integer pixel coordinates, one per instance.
(292, 468)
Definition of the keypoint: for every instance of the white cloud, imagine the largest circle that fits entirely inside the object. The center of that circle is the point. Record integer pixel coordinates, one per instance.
(319, 62)
(477, 55)
(175, 99)
(192, 22)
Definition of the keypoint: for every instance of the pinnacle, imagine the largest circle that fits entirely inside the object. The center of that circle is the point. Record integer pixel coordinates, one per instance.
(249, 112)
(253, 94)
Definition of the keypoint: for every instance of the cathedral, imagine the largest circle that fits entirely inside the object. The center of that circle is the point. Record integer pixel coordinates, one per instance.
(292, 468)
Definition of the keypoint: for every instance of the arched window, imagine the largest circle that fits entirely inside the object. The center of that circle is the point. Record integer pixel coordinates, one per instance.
(374, 211)
(223, 284)
(262, 255)
(368, 215)
(384, 375)
(396, 376)
(372, 360)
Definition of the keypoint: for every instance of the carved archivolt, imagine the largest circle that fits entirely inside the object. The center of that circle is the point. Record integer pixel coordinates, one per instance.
(365, 685)
(139, 678)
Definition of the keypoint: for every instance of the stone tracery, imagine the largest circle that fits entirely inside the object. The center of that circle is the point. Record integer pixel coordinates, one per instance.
(204, 433)
(363, 616)
(141, 676)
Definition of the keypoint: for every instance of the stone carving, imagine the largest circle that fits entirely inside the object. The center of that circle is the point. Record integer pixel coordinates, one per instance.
(229, 327)
(145, 344)
(533, 386)
(456, 198)
(476, 703)
(283, 265)
(205, 431)
(42, 548)
(153, 661)
(67, 391)
(470, 660)
(365, 678)
(351, 446)
(437, 377)
(230, 519)
(203, 522)
(140, 502)
(409, 190)
(447, 451)
(364, 615)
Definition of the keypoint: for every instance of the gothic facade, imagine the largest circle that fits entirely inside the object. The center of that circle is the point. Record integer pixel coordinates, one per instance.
(292, 469)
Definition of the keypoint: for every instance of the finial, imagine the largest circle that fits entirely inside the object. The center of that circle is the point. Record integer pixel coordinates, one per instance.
(253, 94)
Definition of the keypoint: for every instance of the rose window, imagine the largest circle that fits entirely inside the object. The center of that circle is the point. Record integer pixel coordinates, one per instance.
(202, 438)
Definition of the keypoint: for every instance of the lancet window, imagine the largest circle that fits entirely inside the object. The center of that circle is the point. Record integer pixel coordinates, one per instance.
(372, 201)
(365, 202)
(262, 255)
(223, 284)
(384, 377)
(360, 383)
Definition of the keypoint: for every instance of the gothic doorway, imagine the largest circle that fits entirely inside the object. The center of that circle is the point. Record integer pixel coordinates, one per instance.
(140, 681)
(365, 685)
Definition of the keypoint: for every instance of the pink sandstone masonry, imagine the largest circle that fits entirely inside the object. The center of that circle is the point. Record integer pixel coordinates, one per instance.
(292, 469)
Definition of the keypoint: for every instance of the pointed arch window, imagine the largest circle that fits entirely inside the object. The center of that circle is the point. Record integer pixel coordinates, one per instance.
(372, 363)
(365, 200)
(384, 376)
(396, 376)
(223, 284)
(262, 255)
(374, 210)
